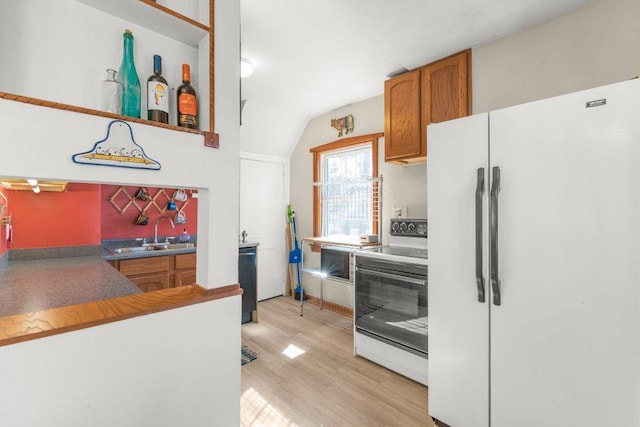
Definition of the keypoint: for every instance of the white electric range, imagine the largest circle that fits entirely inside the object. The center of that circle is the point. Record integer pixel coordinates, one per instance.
(391, 319)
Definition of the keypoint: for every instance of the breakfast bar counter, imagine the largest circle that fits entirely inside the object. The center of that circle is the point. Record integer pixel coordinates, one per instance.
(35, 285)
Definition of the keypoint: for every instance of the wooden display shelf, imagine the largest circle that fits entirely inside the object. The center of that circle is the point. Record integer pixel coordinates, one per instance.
(154, 17)
(211, 139)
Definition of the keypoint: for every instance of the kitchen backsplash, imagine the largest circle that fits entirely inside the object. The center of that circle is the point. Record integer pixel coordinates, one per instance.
(120, 210)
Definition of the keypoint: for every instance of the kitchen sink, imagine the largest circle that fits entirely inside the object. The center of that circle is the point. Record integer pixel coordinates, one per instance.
(131, 249)
(152, 247)
(162, 246)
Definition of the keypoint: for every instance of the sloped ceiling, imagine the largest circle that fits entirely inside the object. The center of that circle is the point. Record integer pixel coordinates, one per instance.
(313, 56)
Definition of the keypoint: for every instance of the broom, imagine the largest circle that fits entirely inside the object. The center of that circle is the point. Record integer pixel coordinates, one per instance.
(295, 256)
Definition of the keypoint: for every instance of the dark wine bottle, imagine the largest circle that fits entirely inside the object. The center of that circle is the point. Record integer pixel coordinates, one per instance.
(187, 102)
(157, 94)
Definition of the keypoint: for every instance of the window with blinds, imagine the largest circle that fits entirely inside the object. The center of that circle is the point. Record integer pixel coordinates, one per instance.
(348, 200)
(346, 188)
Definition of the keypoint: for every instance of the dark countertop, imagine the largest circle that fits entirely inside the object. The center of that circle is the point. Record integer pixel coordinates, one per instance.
(247, 244)
(33, 285)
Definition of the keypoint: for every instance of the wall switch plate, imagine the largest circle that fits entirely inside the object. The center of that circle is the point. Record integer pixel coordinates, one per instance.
(400, 212)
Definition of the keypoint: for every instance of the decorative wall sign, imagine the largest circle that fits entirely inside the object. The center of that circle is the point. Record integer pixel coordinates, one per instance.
(343, 124)
(119, 149)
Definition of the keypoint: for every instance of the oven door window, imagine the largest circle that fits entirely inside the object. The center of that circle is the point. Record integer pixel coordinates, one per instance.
(392, 306)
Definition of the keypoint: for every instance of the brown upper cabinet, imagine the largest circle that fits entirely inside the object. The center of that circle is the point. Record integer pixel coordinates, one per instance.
(433, 93)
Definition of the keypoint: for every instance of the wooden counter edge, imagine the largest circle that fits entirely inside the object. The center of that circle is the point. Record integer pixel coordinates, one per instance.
(39, 324)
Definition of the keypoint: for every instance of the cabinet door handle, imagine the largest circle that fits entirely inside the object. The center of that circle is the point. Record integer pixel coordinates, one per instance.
(495, 280)
(479, 254)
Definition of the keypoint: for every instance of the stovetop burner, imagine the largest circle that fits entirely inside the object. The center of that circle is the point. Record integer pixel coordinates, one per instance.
(407, 242)
(397, 253)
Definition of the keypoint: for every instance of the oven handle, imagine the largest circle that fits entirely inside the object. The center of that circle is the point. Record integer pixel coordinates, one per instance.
(393, 276)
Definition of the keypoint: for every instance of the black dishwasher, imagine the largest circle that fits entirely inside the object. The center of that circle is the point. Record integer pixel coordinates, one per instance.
(247, 276)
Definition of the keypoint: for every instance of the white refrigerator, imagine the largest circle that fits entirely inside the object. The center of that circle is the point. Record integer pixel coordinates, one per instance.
(534, 263)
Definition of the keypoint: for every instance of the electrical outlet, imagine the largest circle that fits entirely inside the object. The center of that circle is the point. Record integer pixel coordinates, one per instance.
(400, 212)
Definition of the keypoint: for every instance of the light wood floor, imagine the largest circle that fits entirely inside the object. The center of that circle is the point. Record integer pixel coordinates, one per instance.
(326, 385)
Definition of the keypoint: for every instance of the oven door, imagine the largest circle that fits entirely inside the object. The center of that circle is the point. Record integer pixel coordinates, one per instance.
(391, 303)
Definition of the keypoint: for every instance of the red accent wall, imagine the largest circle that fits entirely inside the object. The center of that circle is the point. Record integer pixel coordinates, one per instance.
(49, 219)
(116, 225)
(83, 215)
(3, 241)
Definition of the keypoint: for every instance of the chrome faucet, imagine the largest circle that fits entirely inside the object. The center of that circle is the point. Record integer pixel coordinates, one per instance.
(155, 227)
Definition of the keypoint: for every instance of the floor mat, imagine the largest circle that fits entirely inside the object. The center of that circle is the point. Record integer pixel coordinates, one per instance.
(247, 355)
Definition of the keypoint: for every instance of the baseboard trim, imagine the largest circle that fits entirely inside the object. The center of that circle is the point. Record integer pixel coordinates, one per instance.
(331, 306)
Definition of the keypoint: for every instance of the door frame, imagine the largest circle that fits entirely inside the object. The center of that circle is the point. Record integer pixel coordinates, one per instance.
(285, 163)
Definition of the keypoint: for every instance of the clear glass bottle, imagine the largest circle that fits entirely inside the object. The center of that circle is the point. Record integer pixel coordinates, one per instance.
(111, 93)
(131, 95)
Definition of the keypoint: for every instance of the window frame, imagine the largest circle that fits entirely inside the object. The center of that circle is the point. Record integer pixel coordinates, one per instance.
(338, 145)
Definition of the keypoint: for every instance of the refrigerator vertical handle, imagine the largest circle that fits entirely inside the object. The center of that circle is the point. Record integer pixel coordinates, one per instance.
(479, 195)
(495, 280)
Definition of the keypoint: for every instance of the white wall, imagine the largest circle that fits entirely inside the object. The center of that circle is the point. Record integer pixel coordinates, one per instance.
(591, 46)
(594, 45)
(43, 140)
(179, 367)
(402, 185)
(173, 368)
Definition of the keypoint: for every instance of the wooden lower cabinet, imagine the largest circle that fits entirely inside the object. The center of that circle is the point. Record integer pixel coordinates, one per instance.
(151, 282)
(185, 261)
(184, 272)
(160, 272)
(140, 266)
(186, 277)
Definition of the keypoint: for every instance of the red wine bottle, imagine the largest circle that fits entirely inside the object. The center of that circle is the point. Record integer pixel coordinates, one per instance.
(157, 94)
(187, 102)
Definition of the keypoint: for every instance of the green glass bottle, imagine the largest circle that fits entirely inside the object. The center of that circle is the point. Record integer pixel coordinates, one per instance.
(131, 96)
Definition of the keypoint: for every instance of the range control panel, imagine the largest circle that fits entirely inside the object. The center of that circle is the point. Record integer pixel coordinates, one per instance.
(409, 227)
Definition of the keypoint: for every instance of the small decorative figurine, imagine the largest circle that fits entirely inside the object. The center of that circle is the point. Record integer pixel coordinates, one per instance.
(343, 124)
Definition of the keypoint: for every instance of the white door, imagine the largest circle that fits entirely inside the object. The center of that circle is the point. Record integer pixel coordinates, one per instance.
(458, 322)
(565, 338)
(263, 217)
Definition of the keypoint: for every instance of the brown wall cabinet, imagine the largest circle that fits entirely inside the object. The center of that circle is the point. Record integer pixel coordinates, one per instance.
(161, 272)
(434, 93)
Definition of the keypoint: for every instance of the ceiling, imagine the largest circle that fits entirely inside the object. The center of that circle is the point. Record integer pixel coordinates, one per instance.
(314, 56)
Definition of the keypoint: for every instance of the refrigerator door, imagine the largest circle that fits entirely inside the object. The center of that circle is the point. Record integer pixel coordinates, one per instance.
(458, 321)
(565, 338)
